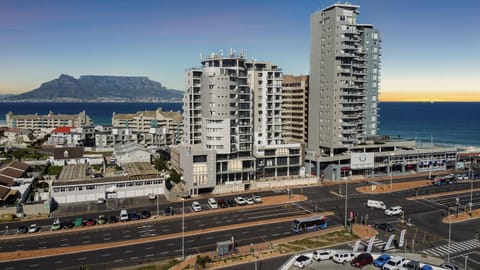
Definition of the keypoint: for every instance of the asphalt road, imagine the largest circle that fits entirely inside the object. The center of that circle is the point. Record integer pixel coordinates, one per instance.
(426, 229)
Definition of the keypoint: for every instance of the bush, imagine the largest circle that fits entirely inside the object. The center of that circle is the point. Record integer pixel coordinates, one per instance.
(54, 170)
(203, 260)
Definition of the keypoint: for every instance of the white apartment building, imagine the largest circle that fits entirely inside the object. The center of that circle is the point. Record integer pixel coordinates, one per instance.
(232, 112)
(344, 77)
(37, 122)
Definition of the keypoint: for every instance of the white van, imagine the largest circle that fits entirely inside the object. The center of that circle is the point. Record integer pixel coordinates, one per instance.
(376, 204)
(212, 203)
(124, 215)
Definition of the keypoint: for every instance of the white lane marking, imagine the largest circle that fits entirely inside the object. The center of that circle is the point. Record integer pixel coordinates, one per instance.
(165, 252)
(64, 245)
(107, 239)
(128, 251)
(86, 242)
(44, 247)
(33, 265)
(149, 247)
(208, 238)
(118, 260)
(82, 259)
(58, 262)
(127, 236)
(20, 245)
(170, 244)
(42, 242)
(149, 255)
(106, 255)
(133, 258)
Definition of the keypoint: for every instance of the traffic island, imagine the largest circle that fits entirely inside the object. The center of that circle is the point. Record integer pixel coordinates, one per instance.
(462, 216)
(385, 187)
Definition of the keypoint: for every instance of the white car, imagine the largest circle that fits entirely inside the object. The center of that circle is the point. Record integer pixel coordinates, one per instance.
(250, 201)
(257, 198)
(343, 258)
(320, 255)
(212, 203)
(394, 211)
(196, 206)
(449, 266)
(124, 215)
(395, 263)
(302, 260)
(33, 228)
(240, 200)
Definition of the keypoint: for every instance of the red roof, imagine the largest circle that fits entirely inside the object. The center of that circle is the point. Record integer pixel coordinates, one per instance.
(62, 130)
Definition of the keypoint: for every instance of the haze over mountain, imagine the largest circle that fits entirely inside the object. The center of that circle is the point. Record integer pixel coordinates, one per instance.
(92, 88)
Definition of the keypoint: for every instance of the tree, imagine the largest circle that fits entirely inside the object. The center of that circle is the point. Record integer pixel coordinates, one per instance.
(160, 163)
(174, 177)
(19, 154)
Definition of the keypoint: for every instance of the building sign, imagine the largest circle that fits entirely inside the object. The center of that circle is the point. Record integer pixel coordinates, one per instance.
(362, 161)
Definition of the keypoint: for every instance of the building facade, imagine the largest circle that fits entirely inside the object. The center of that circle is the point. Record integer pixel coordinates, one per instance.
(344, 75)
(295, 109)
(232, 112)
(37, 122)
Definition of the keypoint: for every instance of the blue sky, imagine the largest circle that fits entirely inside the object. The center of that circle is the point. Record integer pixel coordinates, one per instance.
(428, 47)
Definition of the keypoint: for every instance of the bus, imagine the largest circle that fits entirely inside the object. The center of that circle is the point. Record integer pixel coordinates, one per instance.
(309, 224)
(444, 180)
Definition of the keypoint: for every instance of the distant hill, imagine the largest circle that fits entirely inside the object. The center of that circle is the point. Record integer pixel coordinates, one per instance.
(2, 96)
(91, 88)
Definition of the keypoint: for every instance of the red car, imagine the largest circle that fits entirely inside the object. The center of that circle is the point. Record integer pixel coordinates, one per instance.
(362, 260)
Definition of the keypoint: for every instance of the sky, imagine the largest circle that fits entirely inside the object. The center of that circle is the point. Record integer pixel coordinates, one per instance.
(429, 47)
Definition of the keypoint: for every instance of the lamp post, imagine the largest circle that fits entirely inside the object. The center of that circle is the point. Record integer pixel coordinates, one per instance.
(183, 229)
(391, 172)
(346, 198)
(449, 234)
(158, 207)
(466, 259)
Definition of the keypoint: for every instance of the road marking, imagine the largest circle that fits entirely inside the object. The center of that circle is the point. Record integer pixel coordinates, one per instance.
(128, 251)
(149, 255)
(33, 265)
(85, 237)
(20, 245)
(63, 245)
(275, 234)
(107, 239)
(246, 232)
(42, 242)
(44, 247)
(201, 225)
(118, 260)
(63, 240)
(170, 244)
(127, 236)
(165, 252)
(82, 259)
(149, 248)
(106, 255)
(86, 242)
(133, 258)
(58, 262)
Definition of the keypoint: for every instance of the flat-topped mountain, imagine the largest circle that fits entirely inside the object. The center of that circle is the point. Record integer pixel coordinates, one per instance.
(92, 88)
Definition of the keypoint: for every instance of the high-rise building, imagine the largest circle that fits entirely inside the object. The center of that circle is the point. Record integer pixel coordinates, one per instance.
(344, 76)
(295, 109)
(232, 124)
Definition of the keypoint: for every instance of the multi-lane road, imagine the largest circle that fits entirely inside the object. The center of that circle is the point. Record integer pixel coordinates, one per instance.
(425, 215)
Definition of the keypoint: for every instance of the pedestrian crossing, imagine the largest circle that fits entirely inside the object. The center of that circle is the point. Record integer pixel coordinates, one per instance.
(378, 243)
(456, 247)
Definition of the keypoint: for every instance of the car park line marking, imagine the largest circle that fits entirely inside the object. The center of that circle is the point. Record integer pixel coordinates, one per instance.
(106, 255)
(128, 251)
(149, 255)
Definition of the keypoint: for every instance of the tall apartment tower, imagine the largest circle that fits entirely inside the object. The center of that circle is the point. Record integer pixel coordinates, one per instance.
(295, 109)
(232, 124)
(344, 75)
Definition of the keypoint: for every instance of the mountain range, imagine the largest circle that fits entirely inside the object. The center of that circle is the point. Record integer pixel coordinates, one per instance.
(93, 88)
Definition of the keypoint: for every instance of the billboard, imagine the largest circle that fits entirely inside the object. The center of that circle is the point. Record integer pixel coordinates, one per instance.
(362, 161)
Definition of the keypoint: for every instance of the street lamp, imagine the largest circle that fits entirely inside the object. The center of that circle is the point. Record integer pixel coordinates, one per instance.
(391, 172)
(183, 229)
(346, 197)
(449, 233)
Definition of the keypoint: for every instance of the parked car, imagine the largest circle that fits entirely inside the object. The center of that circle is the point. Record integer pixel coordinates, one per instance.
(212, 203)
(152, 196)
(196, 206)
(394, 263)
(240, 200)
(343, 258)
(33, 228)
(362, 260)
(302, 260)
(145, 214)
(411, 265)
(134, 216)
(257, 198)
(222, 203)
(169, 211)
(56, 225)
(320, 255)
(68, 224)
(380, 261)
(79, 222)
(449, 266)
(394, 211)
(124, 215)
(112, 219)
(100, 200)
(22, 229)
(231, 203)
(385, 226)
(101, 220)
(250, 201)
(90, 222)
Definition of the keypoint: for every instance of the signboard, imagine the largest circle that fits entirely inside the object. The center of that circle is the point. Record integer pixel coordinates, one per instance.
(389, 242)
(460, 165)
(370, 244)
(362, 161)
(356, 246)
(402, 238)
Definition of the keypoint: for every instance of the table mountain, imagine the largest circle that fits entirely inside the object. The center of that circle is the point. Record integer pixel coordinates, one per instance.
(92, 88)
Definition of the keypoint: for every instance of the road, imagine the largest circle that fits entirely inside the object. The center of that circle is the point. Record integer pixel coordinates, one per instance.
(425, 215)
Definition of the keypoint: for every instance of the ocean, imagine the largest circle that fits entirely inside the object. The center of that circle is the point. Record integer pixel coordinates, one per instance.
(446, 123)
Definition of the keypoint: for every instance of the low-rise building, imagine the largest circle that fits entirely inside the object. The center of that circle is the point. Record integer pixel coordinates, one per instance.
(17, 137)
(36, 122)
(131, 153)
(136, 179)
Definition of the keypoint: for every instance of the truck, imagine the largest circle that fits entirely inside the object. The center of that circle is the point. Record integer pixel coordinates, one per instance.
(376, 204)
